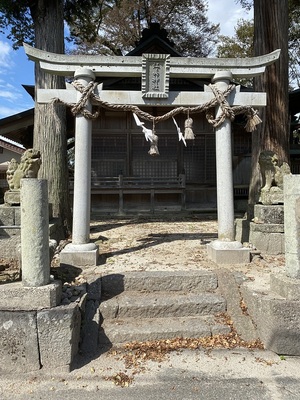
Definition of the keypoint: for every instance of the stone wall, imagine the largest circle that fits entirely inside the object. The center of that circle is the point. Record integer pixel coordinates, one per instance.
(10, 237)
(30, 340)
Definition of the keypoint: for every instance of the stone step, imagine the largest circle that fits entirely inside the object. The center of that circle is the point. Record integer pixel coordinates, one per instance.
(120, 331)
(161, 304)
(195, 280)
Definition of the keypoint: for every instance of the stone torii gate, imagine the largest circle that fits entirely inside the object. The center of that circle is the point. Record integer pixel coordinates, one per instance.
(155, 71)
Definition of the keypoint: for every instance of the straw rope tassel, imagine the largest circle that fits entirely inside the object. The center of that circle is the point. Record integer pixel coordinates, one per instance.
(188, 128)
(154, 141)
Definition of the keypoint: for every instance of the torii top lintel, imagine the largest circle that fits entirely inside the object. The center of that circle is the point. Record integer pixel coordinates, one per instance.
(190, 67)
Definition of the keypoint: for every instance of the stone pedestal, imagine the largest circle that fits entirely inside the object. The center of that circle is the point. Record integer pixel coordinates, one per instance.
(80, 255)
(233, 252)
(12, 198)
(10, 237)
(266, 231)
(284, 286)
(14, 296)
(48, 338)
(273, 196)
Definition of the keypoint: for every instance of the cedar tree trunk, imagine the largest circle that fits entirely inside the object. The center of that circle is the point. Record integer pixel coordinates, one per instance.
(271, 33)
(50, 120)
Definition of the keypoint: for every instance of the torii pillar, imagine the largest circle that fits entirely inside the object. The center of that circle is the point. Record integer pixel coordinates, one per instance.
(81, 251)
(225, 250)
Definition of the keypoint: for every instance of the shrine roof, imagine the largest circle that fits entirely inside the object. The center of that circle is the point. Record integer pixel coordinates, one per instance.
(154, 41)
(11, 145)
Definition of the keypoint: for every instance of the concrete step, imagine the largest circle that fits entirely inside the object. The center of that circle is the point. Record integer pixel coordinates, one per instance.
(119, 331)
(195, 280)
(161, 304)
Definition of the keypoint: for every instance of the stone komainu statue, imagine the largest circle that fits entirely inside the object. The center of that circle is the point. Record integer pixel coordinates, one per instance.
(28, 168)
(272, 177)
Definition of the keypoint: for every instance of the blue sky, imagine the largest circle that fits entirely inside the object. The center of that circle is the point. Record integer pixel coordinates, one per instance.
(16, 69)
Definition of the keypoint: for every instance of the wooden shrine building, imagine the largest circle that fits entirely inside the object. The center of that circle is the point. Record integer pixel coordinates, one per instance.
(126, 178)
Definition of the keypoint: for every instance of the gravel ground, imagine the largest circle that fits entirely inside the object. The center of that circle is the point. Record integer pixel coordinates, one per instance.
(147, 244)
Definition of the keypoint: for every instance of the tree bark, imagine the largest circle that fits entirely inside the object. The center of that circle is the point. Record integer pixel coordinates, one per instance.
(271, 33)
(50, 120)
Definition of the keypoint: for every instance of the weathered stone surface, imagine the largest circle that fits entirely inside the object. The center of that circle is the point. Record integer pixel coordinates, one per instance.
(267, 228)
(287, 287)
(277, 320)
(79, 258)
(91, 326)
(10, 243)
(272, 177)
(10, 237)
(133, 329)
(27, 168)
(94, 289)
(59, 334)
(12, 198)
(159, 280)
(275, 196)
(19, 349)
(230, 289)
(268, 214)
(11, 216)
(161, 304)
(242, 227)
(14, 296)
(292, 224)
(292, 265)
(35, 232)
(267, 242)
(7, 215)
(228, 253)
(17, 216)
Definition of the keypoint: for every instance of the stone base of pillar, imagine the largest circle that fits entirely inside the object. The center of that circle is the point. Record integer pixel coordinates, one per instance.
(276, 317)
(80, 255)
(222, 252)
(15, 296)
(286, 287)
(47, 338)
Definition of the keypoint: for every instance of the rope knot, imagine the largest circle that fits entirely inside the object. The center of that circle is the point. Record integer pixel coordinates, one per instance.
(87, 93)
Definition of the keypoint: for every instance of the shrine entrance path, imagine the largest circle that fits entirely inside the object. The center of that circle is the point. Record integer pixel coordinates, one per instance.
(166, 243)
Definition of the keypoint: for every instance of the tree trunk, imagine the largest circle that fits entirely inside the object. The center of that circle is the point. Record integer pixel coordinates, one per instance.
(50, 120)
(271, 33)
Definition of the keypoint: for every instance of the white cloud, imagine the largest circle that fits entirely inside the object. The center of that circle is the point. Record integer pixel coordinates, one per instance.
(5, 55)
(12, 100)
(226, 14)
(7, 111)
(10, 95)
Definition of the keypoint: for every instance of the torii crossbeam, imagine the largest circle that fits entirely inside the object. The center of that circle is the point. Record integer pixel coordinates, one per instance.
(154, 92)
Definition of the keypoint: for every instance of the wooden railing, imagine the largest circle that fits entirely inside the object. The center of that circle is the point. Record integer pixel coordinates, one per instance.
(122, 185)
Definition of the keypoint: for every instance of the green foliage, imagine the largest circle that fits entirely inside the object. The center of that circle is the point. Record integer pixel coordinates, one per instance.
(293, 45)
(15, 16)
(241, 44)
(114, 27)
